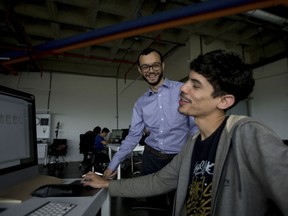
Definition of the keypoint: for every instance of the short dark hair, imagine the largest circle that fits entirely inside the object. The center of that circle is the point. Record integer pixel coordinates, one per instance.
(97, 130)
(148, 51)
(105, 130)
(226, 72)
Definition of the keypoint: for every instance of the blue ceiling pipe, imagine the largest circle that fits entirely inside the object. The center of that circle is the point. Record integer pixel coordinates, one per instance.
(157, 18)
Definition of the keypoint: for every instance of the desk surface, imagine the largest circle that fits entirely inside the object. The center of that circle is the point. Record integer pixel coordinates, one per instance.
(86, 206)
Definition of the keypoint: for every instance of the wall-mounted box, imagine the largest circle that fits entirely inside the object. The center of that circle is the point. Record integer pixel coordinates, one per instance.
(43, 126)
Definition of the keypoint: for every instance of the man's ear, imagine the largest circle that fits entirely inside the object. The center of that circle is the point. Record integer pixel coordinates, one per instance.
(163, 66)
(139, 70)
(226, 101)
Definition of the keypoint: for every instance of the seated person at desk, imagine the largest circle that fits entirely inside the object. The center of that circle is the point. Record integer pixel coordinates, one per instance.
(100, 158)
(100, 142)
(234, 166)
(86, 145)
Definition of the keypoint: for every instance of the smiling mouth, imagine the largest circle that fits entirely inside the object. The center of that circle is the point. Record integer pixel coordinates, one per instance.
(183, 100)
(152, 75)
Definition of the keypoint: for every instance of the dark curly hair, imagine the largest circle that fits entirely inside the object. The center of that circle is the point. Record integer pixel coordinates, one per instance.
(148, 51)
(226, 72)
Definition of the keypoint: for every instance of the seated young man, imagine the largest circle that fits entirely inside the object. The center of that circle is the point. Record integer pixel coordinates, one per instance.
(100, 141)
(100, 158)
(234, 166)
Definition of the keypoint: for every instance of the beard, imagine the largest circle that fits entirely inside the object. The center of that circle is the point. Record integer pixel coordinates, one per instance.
(182, 111)
(155, 83)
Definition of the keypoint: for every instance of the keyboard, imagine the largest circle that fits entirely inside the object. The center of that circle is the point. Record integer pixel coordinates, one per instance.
(52, 208)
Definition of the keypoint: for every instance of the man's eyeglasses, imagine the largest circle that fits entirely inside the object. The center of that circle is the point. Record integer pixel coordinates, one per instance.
(145, 68)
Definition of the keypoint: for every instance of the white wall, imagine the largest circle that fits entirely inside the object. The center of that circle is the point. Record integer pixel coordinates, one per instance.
(177, 65)
(270, 96)
(79, 103)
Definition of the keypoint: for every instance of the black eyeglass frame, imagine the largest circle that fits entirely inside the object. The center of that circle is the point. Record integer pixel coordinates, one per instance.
(145, 68)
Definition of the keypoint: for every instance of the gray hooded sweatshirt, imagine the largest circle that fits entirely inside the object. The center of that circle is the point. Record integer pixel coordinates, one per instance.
(250, 174)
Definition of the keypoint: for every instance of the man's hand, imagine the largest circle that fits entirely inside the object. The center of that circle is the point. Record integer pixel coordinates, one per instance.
(109, 174)
(94, 180)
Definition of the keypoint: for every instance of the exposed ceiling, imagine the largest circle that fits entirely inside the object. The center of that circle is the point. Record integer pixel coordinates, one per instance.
(104, 37)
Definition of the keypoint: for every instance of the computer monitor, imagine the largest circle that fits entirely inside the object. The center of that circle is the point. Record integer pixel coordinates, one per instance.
(125, 133)
(116, 136)
(18, 143)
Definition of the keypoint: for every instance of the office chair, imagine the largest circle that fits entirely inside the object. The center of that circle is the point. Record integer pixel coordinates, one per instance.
(57, 152)
(99, 161)
(142, 208)
(157, 206)
(86, 146)
(149, 211)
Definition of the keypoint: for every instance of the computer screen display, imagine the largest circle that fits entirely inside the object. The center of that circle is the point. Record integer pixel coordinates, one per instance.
(116, 134)
(18, 143)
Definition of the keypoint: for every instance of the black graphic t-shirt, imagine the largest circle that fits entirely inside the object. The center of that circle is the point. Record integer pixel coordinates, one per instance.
(198, 200)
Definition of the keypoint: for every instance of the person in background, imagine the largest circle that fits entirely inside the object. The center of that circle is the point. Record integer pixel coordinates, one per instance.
(100, 141)
(86, 146)
(96, 130)
(235, 166)
(100, 158)
(156, 111)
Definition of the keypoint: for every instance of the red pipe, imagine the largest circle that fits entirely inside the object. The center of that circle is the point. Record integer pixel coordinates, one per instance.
(160, 26)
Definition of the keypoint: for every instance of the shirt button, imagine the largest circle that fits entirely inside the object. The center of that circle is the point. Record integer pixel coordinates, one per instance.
(162, 119)
(160, 107)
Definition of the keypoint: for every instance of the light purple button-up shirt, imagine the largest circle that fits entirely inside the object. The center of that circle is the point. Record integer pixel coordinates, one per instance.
(158, 113)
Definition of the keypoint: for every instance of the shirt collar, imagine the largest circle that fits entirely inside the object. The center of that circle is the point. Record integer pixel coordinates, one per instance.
(164, 84)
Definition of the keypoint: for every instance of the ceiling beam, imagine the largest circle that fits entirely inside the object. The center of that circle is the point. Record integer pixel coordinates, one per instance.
(163, 21)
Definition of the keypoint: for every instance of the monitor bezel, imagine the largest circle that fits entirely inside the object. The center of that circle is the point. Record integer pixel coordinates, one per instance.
(34, 157)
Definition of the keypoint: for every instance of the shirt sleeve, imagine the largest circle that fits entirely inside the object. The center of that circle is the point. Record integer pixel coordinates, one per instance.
(131, 140)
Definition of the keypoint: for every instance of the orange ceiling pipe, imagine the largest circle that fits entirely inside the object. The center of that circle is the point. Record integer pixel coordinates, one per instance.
(164, 25)
(179, 22)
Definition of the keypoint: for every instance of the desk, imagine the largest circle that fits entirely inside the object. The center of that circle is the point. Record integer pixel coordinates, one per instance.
(115, 148)
(86, 206)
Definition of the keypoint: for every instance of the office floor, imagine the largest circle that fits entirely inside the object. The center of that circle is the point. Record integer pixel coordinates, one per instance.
(119, 206)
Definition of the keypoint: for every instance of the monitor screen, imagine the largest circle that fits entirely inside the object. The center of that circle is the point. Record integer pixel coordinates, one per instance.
(18, 143)
(116, 134)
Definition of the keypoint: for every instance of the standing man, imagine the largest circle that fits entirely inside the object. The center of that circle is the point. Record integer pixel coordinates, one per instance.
(235, 166)
(156, 111)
